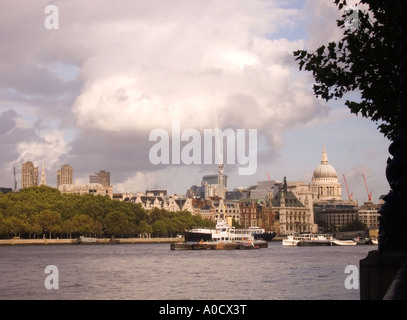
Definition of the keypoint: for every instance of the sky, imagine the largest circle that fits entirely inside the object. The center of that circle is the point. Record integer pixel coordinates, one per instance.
(86, 83)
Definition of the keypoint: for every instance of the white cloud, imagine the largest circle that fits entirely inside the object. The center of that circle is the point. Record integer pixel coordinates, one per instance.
(159, 179)
(48, 149)
(181, 64)
(115, 70)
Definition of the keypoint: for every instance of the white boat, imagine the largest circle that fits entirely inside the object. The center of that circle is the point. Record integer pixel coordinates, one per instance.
(222, 232)
(85, 240)
(308, 239)
(291, 241)
(222, 237)
(345, 242)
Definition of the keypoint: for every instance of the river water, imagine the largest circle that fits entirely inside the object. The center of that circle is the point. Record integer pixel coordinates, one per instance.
(153, 271)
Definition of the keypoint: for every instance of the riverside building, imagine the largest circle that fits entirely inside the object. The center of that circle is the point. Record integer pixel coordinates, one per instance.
(288, 212)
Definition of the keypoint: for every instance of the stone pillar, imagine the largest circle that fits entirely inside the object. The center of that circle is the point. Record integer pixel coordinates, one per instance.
(379, 268)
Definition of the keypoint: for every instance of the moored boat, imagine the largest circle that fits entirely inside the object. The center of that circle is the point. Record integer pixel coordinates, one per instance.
(223, 237)
(181, 246)
(344, 242)
(308, 239)
(362, 240)
(248, 246)
(226, 245)
(291, 241)
(261, 234)
(224, 232)
(87, 240)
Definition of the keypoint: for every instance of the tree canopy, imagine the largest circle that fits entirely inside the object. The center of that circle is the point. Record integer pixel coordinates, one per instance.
(44, 211)
(365, 60)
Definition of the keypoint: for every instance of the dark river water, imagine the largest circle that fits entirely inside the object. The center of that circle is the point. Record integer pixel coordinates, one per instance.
(153, 271)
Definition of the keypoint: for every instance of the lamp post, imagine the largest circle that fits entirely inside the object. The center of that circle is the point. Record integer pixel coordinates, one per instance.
(393, 219)
(380, 268)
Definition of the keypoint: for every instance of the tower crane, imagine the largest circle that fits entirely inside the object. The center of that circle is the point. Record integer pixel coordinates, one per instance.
(347, 189)
(369, 194)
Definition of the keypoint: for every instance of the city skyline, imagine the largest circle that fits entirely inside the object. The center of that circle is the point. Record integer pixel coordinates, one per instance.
(324, 183)
(93, 100)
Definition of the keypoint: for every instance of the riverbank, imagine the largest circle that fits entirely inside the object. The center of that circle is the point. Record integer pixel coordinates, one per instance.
(98, 241)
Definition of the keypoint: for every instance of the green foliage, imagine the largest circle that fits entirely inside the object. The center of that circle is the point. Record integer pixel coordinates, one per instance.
(365, 60)
(37, 211)
(355, 225)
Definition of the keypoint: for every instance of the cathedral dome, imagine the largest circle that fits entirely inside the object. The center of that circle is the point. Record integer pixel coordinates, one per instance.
(324, 170)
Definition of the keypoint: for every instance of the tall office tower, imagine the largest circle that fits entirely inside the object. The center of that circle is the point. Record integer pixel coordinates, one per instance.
(43, 178)
(65, 175)
(29, 175)
(103, 177)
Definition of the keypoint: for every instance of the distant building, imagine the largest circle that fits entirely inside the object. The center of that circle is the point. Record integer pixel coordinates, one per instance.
(289, 213)
(151, 200)
(369, 214)
(235, 195)
(324, 184)
(331, 217)
(263, 188)
(213, 179)
(211, 188)
(248, 214)
(267, 217)
(193, 192)
(88, 188)
(230, 209)
(157, 192)
(65, 175)
(43, 177)
(6, 190)
(29, 175)
(103, 177)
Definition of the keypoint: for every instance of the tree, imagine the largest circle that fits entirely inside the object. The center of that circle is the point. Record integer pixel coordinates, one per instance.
(67, 227)
(50, 221)
(15, 225)
(355, 225)
(159, 228)
(366, 60)
(144, 229)
(117, 222)
(83, 224)
(3, 226)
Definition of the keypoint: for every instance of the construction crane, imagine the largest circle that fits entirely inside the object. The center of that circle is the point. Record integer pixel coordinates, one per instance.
(369, 194)
(347, 189)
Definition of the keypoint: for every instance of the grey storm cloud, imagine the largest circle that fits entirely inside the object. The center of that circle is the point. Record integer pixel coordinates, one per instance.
(92, 91)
